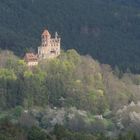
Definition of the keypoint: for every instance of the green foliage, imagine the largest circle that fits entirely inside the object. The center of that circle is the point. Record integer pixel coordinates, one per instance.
(6, 74)
(36, 133)
(59, 131)
(128, 136)
(17, 111)
(69, 81)
(34, 89)
(62, 133)
(8, 131)
(107, 30)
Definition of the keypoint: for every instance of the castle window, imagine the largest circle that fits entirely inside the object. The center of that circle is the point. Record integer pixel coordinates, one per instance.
(53, 51)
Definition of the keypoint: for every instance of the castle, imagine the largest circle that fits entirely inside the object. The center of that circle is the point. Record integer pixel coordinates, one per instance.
(49, 48)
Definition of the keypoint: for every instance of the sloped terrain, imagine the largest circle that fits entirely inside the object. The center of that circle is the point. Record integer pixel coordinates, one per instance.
(108, 30)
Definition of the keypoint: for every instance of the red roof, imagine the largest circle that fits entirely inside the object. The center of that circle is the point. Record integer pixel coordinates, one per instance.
(30, 57)
(46, 33)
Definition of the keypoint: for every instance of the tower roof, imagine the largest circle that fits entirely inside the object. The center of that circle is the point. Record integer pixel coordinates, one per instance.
(46, 33)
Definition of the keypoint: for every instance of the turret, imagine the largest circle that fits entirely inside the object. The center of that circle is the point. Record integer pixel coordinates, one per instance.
(45, 38)
(56, 35)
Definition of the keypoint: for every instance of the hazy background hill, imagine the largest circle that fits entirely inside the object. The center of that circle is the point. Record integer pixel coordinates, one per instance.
(109, 30)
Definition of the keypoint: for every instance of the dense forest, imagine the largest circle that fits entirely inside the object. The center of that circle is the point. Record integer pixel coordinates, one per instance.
(108, 30)
(72, 97)
(91, 91)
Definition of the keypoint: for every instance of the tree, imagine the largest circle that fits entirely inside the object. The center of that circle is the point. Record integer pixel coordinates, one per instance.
(36, 133)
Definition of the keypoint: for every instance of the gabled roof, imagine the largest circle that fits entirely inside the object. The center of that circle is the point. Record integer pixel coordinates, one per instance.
(30, 57)
(46, 33)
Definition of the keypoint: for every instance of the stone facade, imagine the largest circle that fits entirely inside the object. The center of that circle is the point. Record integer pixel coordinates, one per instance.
(50, 47)
(31, 59)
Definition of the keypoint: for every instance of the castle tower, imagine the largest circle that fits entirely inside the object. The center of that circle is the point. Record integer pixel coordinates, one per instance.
(50, 47)
(45, 38)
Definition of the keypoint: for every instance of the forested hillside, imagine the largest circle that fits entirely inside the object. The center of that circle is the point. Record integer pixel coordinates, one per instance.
(71, 97)
(108, 30)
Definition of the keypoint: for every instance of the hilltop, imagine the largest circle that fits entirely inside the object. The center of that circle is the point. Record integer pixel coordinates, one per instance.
(108, 30)
(73, 91)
